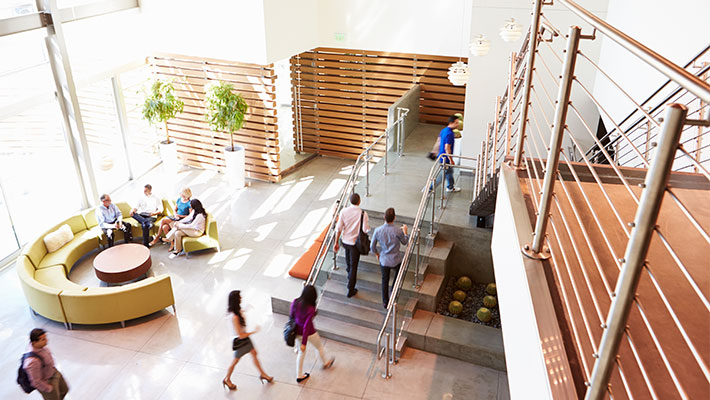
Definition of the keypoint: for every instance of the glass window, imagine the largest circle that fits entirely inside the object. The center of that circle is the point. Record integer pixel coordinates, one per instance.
(103, 134)
(36, 169)
(142, 138)
(8, 240)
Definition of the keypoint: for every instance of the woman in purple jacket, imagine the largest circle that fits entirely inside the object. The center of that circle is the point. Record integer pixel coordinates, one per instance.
(303, 310)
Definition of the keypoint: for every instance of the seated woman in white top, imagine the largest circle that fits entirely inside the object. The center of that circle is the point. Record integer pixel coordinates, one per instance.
(193, 225)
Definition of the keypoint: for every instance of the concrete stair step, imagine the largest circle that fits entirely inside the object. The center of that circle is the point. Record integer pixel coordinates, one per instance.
(353, 334)
(451, 337)
(372, 280)
(351, 313)
(367, 298)
(370, 293)
(435, 256)
(338, 322)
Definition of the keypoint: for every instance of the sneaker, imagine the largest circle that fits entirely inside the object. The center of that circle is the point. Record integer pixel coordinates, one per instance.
(453, 189)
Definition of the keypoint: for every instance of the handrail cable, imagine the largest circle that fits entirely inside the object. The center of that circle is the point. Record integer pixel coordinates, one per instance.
(429, 194)
(362, 160)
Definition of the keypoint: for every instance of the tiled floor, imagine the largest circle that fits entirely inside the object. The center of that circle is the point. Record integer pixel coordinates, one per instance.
(263, 229)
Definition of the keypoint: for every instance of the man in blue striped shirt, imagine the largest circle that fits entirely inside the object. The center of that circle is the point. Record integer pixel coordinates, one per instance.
(389, 237)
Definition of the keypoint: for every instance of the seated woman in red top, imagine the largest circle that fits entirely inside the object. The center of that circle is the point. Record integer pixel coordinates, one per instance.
(303, 310)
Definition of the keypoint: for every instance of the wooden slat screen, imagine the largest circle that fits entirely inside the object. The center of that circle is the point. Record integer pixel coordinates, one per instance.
(197, 144)
(342, 95)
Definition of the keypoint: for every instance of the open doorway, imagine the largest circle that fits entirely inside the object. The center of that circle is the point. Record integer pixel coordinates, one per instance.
(289, 158)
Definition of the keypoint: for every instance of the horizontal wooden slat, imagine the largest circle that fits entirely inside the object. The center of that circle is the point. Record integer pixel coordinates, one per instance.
(343, 95)
(197, 144)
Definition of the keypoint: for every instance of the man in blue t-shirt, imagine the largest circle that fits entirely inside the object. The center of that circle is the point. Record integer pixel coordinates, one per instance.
(446, 146)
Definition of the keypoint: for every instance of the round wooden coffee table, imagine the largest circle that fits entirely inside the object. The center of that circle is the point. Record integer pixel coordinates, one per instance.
(122, 263)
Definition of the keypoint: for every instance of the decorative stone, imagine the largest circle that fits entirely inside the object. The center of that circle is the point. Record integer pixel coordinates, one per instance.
(464, 283)
(491, 289)
(483, 314)
(460, 295)
(490, 301)
(455, 307)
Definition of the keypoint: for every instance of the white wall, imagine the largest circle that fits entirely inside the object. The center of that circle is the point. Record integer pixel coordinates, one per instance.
(489, 74)
(676, 30)
(409, 26)
(291, 28)
(229, 30)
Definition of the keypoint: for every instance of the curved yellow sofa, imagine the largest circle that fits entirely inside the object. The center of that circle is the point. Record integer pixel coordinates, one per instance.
(43, 277)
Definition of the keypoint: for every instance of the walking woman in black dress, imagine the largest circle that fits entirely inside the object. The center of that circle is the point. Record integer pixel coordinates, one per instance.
(242, 343)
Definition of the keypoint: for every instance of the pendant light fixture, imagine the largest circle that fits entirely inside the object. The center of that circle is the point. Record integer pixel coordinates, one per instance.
(458, 71)
(511, 30)
(480, 46)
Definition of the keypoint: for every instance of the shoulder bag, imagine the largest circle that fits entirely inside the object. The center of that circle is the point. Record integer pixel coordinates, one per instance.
(362, 244)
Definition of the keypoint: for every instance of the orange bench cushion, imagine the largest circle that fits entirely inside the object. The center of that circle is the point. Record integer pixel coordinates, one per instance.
(302, 268)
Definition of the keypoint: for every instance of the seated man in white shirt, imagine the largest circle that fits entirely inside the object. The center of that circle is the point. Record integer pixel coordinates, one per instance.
(145, 213)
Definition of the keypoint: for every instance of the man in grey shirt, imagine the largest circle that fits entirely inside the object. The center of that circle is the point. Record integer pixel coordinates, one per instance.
(110, 218)
(389, 237)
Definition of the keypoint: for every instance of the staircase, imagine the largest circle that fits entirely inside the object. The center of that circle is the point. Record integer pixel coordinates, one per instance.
(357, 320)
(485, 202)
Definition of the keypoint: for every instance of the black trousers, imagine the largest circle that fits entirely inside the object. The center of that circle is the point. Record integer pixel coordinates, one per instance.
(146, 224)
(352, 258)
(387, 289)
(127, 234)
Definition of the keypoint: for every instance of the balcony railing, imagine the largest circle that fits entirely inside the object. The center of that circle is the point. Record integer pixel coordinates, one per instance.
(620, 223)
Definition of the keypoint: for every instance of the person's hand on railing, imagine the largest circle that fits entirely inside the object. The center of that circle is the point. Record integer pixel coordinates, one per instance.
(404, 229)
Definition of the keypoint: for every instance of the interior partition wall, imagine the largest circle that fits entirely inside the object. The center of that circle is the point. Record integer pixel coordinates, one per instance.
(201, 147)
(341, 96)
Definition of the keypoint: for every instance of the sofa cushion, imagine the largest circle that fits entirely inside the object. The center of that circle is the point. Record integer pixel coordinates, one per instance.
(90, 217)
(35, 251)
(54, 241)
(82, 243)
(76, 223)
(56, 277)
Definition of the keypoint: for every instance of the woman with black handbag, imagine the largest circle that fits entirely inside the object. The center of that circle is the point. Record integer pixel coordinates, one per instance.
(303, 310)
(241, 344)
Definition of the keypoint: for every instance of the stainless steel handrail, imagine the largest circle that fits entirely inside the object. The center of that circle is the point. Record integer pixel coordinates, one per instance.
(655, 107)
(679, 75)
(349, 187)
(413, 243)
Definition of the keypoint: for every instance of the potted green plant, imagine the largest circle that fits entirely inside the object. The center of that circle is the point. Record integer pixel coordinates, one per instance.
(160, 105)
(226, 111)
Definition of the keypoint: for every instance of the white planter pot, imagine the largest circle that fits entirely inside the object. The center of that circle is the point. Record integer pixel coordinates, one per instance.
(457, 150)
(168, 154)
(234, 170)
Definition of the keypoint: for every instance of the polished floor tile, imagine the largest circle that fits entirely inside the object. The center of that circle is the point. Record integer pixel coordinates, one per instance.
(263, 229)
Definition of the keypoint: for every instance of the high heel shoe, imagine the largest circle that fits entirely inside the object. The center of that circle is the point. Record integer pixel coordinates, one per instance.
(305, 376)
(266, 378)
(229, 385)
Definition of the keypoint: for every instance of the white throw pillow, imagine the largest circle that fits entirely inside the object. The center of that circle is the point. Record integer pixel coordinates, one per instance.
(55, 240)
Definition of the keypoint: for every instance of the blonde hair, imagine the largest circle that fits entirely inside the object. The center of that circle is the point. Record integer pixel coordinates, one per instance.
(186, 192)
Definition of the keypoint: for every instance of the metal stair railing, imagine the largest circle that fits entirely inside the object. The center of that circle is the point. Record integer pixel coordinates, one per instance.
(562, 198)
(414, 244)
(363, 160)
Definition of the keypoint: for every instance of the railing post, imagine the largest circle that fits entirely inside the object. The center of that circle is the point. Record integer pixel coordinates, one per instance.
(415, 285)
(532, 50)
(535, 250)
(367, 172)
(485, 151)
(387, 374)
(496, 131)
(433, 207)
(443, 185)
(511, 97)
(387, 135)
(394, 331)
(637, 249)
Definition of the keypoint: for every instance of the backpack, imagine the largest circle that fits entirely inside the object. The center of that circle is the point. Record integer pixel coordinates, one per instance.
(22, 378)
